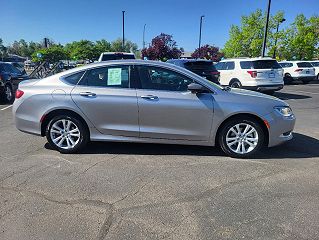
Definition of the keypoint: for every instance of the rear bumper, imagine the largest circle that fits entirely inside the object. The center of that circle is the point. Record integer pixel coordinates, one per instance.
(262, 88)
(304, 78)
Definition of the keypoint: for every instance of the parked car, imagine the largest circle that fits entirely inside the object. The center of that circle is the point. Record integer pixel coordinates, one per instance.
(315, 64)
(19, 66)
(9, 79)
(203, 68)
(152, 102)
(298, 70)
(107, 56)
(260, 74)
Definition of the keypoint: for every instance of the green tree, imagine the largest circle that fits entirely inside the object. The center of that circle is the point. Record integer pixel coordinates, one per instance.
(116, 46)
(101, 46)
(300, 40)
(246, 40)
(52, 54)
(81, 50)
(3, 49)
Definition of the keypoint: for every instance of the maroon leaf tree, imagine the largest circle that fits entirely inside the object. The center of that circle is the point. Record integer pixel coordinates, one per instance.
(163, 47)
(208, 52)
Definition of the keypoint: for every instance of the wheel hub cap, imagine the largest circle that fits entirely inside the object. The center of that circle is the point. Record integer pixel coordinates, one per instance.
(65, 134)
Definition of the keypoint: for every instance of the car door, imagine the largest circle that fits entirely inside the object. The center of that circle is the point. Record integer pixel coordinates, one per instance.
(167, 110)
(105, 96)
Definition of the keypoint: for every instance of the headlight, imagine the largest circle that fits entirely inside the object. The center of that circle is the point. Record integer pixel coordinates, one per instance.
(284, 111)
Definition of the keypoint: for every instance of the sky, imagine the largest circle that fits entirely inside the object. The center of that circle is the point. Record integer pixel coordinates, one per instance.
(72, 20)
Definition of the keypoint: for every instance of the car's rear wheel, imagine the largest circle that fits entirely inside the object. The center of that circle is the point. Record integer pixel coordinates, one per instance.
(288, 79)
(67, 134)
(241, 138)
(7, 95)
(235, 84)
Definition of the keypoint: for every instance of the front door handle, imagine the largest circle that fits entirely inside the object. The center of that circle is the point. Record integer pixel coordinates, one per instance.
(87, 94)
(150, 97)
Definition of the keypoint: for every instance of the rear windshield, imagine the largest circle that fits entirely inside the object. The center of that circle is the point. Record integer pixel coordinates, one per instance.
(200, 65)
(108, 57)
(260, 64)
(315, 64)
(304, 64)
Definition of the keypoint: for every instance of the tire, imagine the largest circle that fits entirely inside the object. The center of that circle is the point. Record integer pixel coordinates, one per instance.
(235, 84)
(288, 79)
(318, 76)
(7, 96)
(238, 145)
(67, 134)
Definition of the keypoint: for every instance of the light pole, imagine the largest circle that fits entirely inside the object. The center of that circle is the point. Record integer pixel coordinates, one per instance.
(280, 21)
(144, 36)
(266, 30)
(200, 34)
(123, 30)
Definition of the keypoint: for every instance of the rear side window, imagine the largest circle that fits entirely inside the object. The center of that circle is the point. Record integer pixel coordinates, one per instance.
(260, 64)
(304, 64)
(285, 65)
(74, 78)
(113, 76)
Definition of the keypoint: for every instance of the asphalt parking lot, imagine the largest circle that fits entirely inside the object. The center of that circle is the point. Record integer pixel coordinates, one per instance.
(145, 191)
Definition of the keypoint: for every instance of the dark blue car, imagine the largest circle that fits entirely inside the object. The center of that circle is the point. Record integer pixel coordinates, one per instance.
(10, 77)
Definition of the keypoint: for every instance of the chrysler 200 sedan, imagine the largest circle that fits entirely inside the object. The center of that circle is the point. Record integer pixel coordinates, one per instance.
(150, 102)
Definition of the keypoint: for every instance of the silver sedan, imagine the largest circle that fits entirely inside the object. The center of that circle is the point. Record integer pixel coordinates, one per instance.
(146, 101)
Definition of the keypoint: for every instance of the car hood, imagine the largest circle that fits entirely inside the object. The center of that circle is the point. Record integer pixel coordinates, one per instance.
(257, 96)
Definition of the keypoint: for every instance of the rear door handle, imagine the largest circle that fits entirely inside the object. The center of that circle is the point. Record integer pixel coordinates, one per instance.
(150, 97)
(87, 94)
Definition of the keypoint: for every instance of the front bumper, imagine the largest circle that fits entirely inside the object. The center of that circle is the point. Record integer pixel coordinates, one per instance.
(280, 128)
(261, 88)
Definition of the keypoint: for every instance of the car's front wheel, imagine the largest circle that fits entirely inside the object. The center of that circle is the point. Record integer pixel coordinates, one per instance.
(67, 134)
(241, 138)
(7, 95)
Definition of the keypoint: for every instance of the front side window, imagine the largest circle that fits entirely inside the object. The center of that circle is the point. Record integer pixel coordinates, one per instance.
(220, 66)
(113, 76)
(162, 79)
(230, 65)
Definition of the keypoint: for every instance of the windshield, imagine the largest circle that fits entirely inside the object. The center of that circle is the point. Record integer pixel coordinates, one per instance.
(200, 65)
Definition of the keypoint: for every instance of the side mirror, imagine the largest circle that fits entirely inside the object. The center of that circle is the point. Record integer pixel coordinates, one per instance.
(197, 88)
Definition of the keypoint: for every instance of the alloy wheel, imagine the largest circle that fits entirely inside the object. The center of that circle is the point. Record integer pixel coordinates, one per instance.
(242, 138)
(65, 134)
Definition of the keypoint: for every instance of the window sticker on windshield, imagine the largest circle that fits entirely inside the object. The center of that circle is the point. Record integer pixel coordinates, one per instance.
(114, 76)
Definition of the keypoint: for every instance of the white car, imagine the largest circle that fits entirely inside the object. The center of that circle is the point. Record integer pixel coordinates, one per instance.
(298, 70)
(261, 74)
(315, 64)
(107, 56)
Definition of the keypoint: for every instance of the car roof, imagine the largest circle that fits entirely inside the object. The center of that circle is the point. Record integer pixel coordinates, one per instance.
(247, 58)
(112, 53)
(189, 60)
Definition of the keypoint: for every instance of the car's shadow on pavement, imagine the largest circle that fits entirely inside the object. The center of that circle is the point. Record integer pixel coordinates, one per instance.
(288, 96)
(301, 146)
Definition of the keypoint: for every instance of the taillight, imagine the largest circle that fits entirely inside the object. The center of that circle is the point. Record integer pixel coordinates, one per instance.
(298, 70)
(253, 74)
(19, 93)
(215, 73)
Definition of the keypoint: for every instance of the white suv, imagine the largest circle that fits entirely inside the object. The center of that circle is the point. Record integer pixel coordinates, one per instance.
(107, 56)
(261, 74)
(298, 70)
(315, 64)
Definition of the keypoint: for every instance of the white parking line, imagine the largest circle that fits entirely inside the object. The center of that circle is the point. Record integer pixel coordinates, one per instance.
(2, 109)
